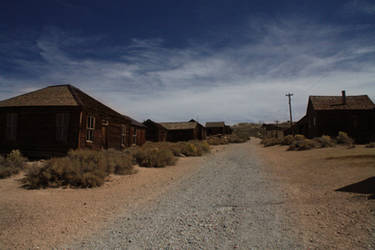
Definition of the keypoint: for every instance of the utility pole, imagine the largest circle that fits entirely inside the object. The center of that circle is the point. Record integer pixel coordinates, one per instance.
(289, 95)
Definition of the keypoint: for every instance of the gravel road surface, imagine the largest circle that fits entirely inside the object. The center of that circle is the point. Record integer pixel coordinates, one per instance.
(231, 202)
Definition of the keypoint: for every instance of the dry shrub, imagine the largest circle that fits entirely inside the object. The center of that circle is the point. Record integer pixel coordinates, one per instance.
(325, 141)
(217, 140)
(190, 149)
(287, 140)
(343, 138)
(303, 144)
(154, 157)
(203, 146)
(80, 168)
(268, 142)
(226, 139)
(299, 137)
(11, 164)
(161, 154)
(234, 138)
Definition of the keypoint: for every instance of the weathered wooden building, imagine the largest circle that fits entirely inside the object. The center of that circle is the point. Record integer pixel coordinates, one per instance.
(154, 131)
(327, 115)
(217, 128)
(184, 131)
(52, 120)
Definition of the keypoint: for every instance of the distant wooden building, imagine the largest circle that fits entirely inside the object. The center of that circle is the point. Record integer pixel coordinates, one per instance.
(184, 131)
(217, 128)
(327, 115)
(137, 133)
(55, 119)
(154, 131)
(272, 130)
(174, 131)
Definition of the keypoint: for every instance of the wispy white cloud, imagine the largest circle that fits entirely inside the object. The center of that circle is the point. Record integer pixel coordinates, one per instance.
(362, 6)
(244, 82)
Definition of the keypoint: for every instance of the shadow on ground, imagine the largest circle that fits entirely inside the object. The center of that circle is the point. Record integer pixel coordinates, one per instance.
(366, 186)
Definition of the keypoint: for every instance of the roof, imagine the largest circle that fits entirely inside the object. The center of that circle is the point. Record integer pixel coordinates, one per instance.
(360, 102)
(178, 125)
(215, 124)
(135, 123)
(59, 95)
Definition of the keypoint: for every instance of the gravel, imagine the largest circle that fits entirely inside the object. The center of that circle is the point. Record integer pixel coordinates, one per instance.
(231, 202)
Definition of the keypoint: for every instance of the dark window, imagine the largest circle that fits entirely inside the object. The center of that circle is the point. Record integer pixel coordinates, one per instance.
(62, 126)
(90, 128)
(123, 134)
(134, 136)
(11, 126)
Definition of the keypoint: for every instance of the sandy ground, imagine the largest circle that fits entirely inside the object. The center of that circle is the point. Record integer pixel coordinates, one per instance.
(46, 218)
(316, 215)
(329, 218)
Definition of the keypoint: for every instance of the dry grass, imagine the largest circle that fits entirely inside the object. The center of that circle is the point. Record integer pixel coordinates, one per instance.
(11, 164)
(80, 168)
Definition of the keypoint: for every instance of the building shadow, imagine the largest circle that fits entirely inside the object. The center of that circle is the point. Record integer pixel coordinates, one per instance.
(366, 186)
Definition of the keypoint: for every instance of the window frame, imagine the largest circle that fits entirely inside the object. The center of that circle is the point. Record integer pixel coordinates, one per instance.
(90, 128)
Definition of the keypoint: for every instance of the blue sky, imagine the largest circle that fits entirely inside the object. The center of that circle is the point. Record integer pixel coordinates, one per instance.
(176, 60)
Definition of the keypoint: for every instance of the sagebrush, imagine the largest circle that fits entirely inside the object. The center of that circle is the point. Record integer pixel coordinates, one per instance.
(11, 164)
(80, 168)
(163, 154)
(344, 138)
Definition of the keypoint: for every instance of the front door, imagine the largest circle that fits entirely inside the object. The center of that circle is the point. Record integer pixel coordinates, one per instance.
(105, 137)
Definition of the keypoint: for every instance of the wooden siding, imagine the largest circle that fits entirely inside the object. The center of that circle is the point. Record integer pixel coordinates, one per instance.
(140, 138)
(37, 128)
(107, 133)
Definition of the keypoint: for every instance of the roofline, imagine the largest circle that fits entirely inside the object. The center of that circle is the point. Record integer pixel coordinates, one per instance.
(74, 93)
(161, 124)
(336, 96)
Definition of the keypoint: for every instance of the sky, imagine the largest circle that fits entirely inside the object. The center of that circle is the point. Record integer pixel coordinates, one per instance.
(211, 60)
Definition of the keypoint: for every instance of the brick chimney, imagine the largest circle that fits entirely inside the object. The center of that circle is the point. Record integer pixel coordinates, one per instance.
(343, 97)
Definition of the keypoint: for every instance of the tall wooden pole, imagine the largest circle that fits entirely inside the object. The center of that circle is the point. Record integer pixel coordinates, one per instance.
(289, 95)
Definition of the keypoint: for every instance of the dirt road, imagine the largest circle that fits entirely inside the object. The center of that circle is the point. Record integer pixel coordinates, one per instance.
(231, 202)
